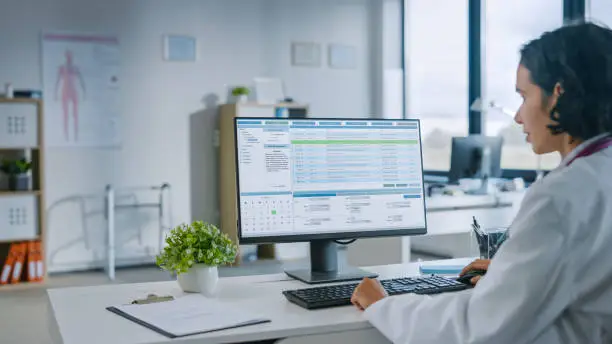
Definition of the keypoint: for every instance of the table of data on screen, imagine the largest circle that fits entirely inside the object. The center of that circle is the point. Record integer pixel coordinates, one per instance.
(301, 177)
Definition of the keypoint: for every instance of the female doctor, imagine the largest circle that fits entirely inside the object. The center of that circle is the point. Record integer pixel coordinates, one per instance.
(551, 281)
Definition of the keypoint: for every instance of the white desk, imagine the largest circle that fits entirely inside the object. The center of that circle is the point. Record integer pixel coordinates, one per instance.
(78, 315)
(453, 214)
(449, 220)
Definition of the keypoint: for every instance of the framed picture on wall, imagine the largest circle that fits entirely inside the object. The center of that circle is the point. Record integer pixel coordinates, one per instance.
(342, 56)
(180, 48)
(306, 54)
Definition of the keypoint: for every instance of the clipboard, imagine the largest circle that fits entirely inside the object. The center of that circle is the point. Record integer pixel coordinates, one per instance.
(187, 316)
(173, 336)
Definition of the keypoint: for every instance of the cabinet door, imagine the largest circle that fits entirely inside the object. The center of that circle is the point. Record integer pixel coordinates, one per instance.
(18, 220)
(18, 127)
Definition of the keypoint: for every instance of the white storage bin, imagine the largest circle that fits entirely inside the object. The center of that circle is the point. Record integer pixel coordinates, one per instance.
(18, 217)
(18, 125)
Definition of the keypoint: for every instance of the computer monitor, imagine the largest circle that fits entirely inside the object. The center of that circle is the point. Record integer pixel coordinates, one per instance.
(475, 156)
(321, 180)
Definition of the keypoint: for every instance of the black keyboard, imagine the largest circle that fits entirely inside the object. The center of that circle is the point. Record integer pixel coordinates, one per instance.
(340, 294)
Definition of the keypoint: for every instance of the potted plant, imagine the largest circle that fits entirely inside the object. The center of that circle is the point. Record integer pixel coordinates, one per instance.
(17, 172)
(194, 252)
(241, 93)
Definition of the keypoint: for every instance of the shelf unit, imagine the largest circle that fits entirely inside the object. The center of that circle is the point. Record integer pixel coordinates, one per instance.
(227, 162)
(13, 193)
(21, 135)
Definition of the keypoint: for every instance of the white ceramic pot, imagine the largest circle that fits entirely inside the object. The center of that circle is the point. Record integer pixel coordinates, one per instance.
(200, 279)
(241, 99)
(188, 282)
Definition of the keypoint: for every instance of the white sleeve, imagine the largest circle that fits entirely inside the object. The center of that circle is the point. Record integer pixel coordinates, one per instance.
(523, 292)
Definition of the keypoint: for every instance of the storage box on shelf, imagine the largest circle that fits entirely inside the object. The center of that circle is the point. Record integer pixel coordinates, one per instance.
(22, 222)
(18, 124)
(18, 217)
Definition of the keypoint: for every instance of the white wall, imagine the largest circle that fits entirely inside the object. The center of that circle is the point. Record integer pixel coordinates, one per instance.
(160, 102)
(177, 101)
(330, 92)
(373, 89)
(169, 113)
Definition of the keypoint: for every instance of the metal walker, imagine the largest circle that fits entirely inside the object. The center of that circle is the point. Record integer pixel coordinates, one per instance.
(164, 214)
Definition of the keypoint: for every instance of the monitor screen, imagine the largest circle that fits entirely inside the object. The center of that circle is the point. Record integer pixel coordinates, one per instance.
(475, 156)
(303, 179)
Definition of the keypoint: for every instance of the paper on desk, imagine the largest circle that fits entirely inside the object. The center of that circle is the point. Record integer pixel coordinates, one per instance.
(188, 315)
(441, 269)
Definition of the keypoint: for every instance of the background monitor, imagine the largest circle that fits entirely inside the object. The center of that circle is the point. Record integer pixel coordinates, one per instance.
(320, 180)
(475, 156)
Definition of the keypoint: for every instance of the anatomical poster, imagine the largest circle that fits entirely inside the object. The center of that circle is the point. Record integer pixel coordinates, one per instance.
(81, 89)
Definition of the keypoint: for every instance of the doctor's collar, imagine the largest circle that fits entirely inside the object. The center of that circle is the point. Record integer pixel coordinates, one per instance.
(572, 155)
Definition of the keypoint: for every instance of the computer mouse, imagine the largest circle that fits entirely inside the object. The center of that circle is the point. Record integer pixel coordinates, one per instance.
(465, 279)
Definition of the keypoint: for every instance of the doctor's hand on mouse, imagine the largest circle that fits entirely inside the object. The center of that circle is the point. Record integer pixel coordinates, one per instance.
(370, 291)
(478, 264)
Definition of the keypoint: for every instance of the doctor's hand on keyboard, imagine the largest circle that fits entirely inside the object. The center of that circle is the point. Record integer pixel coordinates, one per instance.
(367, 293)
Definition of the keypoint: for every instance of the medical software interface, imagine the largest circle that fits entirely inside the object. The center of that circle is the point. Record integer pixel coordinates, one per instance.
(308, 177)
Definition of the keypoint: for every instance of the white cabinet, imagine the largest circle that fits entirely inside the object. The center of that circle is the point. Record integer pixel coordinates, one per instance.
(18, 126)
(18, 217)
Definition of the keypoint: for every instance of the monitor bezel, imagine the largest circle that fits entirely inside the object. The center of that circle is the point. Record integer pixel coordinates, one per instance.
(325, 236)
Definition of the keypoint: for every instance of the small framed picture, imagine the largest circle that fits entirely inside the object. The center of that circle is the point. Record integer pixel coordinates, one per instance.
(306, 54)
(180, 48)
(342, 56)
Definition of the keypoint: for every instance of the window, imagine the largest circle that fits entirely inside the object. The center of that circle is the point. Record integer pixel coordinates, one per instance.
(600, 12)
(509, 25)
(436, 74)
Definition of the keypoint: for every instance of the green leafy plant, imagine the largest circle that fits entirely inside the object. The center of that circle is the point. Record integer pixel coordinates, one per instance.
(15, 167)
(198, 243)
(240, 91)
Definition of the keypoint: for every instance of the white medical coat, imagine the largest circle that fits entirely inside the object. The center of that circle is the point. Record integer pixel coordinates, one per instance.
(550, 282)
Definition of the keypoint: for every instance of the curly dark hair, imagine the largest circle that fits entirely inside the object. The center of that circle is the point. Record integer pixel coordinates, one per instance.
(578, 57)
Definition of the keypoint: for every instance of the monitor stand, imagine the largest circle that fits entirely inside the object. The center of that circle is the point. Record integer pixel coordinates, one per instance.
(483, 189)
(324, 266)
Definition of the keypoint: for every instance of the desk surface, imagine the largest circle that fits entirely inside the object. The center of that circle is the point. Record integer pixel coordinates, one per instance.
(78, 314)
(444, 202)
